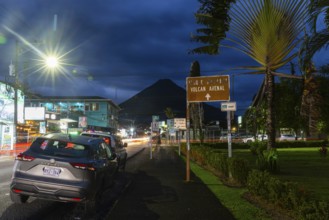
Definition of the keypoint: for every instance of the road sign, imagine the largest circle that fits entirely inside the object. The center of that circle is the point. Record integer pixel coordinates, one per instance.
(155, 126)
(180, 123)
(208, 88)
(176, 123)
(228, 106)
(170, 123)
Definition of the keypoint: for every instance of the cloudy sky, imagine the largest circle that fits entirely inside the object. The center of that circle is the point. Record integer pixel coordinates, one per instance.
(124, 45)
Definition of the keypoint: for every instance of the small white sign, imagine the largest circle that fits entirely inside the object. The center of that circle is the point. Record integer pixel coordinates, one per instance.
(180, 123)
(228, 106)
(170, 123)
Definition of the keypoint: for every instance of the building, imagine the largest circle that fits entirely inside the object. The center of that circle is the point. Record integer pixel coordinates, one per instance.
(7, 114)
(75, 113)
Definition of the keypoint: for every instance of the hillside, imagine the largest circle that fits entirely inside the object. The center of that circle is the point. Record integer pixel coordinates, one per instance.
(154, 99)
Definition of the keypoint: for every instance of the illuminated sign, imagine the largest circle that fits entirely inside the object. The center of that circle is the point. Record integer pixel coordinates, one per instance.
(34, 113)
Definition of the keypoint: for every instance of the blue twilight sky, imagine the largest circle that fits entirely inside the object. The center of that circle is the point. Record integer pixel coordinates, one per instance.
(125, 45)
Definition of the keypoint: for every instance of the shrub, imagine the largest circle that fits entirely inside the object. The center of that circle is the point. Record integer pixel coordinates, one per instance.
(257, 147)
(256, 181)
(267, 159)
(221, 164)
(323, 150)
(239, 169)
(288, 195)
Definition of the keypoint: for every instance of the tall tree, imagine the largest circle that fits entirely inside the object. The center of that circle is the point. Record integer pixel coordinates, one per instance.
(311, 97)
(267, 31)
(287, 104)
(196, 109)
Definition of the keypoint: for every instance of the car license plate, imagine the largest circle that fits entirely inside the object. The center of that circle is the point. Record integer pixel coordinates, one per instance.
(51, 171)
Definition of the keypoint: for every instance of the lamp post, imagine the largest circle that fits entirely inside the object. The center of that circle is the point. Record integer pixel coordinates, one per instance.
(51, 62)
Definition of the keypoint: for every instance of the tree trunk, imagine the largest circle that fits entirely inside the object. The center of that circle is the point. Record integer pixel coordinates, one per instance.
(194, 118)
(201, 114)
(270, 110)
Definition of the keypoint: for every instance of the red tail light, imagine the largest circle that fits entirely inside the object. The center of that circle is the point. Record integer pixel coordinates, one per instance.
(84, 166)
(17, 190)
(24, 157)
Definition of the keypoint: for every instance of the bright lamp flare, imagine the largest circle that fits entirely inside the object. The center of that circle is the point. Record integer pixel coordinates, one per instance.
(52, 62)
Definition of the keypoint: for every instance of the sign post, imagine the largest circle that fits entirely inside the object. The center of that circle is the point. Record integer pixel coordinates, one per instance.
(203, 89)
(154, 128)
(229, 106)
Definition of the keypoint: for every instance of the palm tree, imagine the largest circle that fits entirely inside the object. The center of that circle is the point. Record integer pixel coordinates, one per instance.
(312, 44)
(268, 32)
(169, 113)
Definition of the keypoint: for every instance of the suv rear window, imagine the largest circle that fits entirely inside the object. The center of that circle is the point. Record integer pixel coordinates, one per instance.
(62, 148)
(106, 139)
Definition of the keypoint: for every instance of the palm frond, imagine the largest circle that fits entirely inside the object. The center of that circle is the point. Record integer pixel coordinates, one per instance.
(214, 16)
(267, 31)
(285, 75)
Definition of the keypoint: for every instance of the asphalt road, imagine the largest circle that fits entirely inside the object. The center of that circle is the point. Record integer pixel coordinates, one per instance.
(41, 209)
(150, 189)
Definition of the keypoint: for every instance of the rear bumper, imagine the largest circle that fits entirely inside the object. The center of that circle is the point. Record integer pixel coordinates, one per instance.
(50, 191)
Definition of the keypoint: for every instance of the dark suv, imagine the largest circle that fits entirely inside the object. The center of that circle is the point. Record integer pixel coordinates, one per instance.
(63, 168)
(115, 143)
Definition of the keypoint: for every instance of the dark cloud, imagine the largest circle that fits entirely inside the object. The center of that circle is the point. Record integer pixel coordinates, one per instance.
(125, 45)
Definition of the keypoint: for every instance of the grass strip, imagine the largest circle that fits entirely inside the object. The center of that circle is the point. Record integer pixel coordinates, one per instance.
(230, 197)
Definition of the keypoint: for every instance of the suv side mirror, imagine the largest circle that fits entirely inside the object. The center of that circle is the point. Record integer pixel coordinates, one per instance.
(125, 145)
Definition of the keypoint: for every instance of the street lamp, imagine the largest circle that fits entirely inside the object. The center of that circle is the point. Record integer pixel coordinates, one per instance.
(51, 61)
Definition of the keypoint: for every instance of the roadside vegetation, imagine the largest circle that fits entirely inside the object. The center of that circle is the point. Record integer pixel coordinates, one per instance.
(291, 176)
(230, 197)
(292, 181)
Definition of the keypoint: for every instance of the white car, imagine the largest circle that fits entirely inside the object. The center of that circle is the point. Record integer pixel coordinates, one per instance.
(287, 137)
(249, 139)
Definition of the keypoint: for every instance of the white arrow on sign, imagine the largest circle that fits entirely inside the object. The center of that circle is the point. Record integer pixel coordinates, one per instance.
(208, 96)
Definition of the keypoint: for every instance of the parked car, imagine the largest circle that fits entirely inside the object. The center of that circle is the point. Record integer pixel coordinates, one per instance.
(250, 138)
(63, 168)
(115, 142)
(287, 137)
(234, 138)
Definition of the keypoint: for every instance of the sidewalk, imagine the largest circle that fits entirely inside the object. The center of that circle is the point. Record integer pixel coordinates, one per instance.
(159, 191)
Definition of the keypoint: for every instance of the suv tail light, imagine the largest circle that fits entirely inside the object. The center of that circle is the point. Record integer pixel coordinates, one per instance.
(83, 166)
(24, 157)
(17, 190)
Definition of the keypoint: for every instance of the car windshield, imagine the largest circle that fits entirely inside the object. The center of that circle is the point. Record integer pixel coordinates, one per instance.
(61, 148)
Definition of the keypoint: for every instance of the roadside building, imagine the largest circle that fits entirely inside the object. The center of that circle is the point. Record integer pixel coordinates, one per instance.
(76, 113)
(7, 113)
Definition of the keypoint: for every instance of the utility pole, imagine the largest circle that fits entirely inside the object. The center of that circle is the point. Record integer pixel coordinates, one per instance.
(15, 95)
